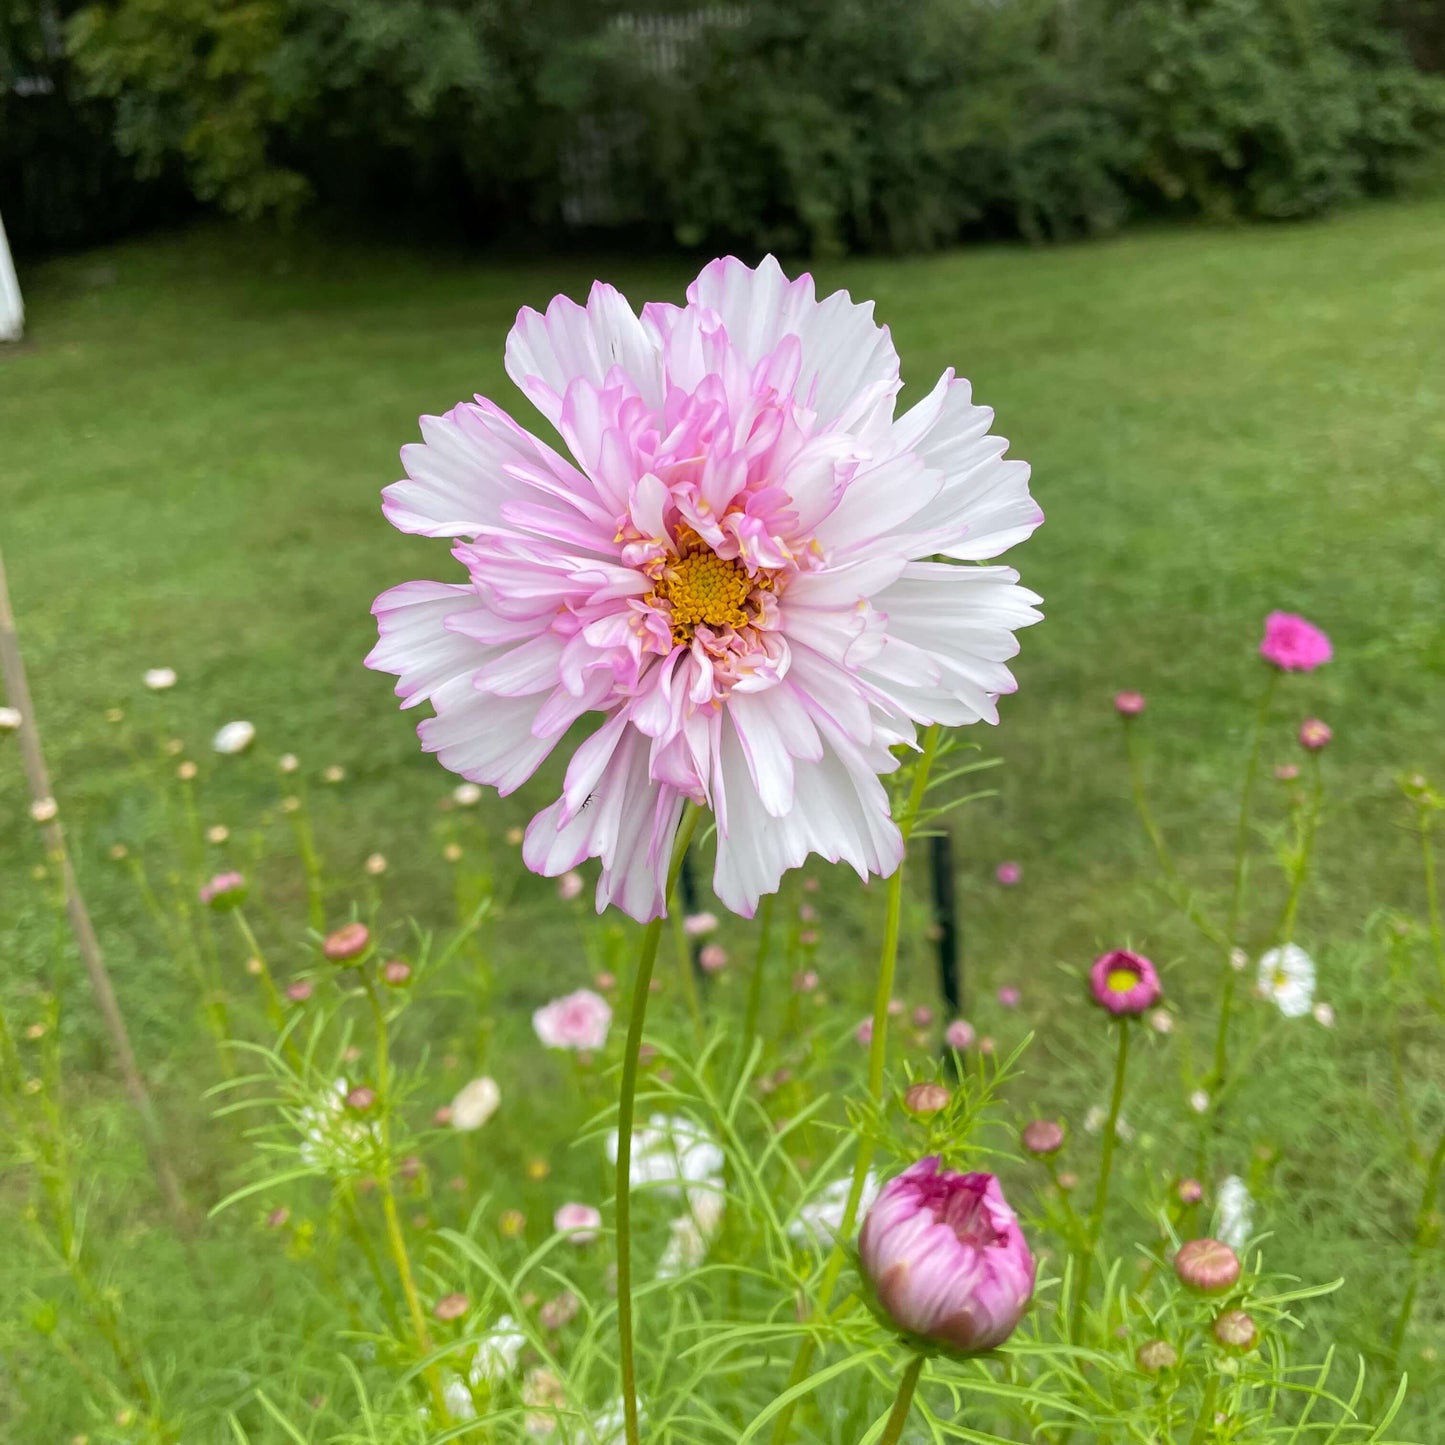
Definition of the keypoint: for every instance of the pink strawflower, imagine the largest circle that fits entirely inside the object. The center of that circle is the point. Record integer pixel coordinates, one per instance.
(1009, 996)
(946, 1258)
(225, 890)
(1314, 734)
(712, 958)
(699, 925)
(579, 1020)
(1129, 704)
(1008, 874)
(1124, 982)
(959, 1035)
(579, 1222)
(1294, 645)
(734, 569)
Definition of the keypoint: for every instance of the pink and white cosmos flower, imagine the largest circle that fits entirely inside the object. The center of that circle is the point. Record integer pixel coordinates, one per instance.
(579, 1020)
(746, 575)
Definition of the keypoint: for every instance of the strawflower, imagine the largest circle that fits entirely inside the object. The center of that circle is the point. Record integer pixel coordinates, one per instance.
(1287, 978)
(581, 1223)
(946, 1258)
(224, 891)
(578, 1020)
(734, 569)
(1314, 735)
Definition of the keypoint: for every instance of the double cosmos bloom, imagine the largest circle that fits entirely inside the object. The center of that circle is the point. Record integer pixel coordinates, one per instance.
(745, 577)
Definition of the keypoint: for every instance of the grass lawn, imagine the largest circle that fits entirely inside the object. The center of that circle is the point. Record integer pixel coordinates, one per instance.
(1220, 422)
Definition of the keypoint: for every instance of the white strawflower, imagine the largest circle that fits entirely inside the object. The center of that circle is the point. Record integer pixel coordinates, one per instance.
(1234, 1213)
(1287, 978)
(475, 1103)
(234, 737)
(158, 679)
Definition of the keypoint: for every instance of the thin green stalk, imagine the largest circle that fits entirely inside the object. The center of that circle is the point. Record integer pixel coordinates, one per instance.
(877, 1058)
(626, 1109)
(1241, 874)
(1204, 1425)
(682, 947)
(1141, 804)
(274, 1011)
(310, 864)
(755, 984)
(395, 1238)
(1432, 895)
(1101, 1189)
(1424, 1231)
(1309, 827)
(902, 1404)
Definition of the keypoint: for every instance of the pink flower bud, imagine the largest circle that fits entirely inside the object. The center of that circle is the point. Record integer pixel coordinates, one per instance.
(1190, 1191)
(1124, 983)
(699, 925)
(959, 1036)
(361, 1098)
(451, 1306)
(927, 1098)
(570, 886)
(347, 942)
(806, 981)
(1129, 704)
(579, 1222)
(1235, 1330)
(224, 891)
(1286, 772)
(1314, 735)
(712, 958)
(1009, 996)
(922, 1016)
(299, 991)
(1156, 1355)
(1042, 1137)
(946, 1258)
(1207, 1265)
(1292, 644)
(1008, 874)
(396, 973)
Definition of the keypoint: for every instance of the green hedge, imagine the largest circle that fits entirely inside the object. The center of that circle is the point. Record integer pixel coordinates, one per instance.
(821, 125)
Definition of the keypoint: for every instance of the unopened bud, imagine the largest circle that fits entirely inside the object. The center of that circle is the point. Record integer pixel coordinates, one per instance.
(1043, 1137)
(1235, 1330)
(1156, 1355)
(1207, 1265)
(927, 1098)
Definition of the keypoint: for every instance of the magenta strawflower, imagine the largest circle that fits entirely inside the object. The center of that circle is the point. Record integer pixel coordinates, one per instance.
(946, 1258)
(1314, 734)
(1294, 645)
(1124, 982)
(1129, 704)
(735, 571)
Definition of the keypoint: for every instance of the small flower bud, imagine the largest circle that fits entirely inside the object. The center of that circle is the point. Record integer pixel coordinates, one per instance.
(570, 886)
(946, 1258)
(922, 1016)
(1008, 873)
(224, 891)
(255, 967)
(1207, 1265)
(119, 852)
(234, 738)
(1235, 1330)
(1190, 1191)
(1128, 704)
(1009, 996)
(1042, 1137)
(288, 762)
(376, 864)
(1068, 1181)
(44, 810)
(334, 774)
(515, 837)
(299, 991)
(1156, 1355)
(1286, 772)
(511, 1223)
(10, 719)
(451, 1306)
(278, 1217)
(396, 973)
(361, 1098)
(346, 943)
(466, 795)
(925, 1099)
(186, 771)
(452, 852)
(1314, 735)
(699, 925)
(159, 679)
(218, 833)
(960, 1036)
(712, 958)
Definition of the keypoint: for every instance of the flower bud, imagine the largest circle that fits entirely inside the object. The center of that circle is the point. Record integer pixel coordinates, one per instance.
(1156, 1355)
(223, 892)
(946, 1258)
(1207, 1265)
(1235, 1330)
(959, 1036)
(451, 1306)
(1042, 1137)
(1190, 1191)
(1128, 704)
(299, 991)
(1008, 873)
(361, 1098)
(396, 973)
(712, 958)
(927, 1098)
(346, 943)
(1314, 735)
(1124, 983)
(10, 719)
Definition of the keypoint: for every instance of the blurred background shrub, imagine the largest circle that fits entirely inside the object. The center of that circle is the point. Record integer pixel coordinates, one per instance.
(799, 125)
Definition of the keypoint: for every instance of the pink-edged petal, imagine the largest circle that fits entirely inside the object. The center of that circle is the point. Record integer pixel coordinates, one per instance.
(415, 640)
(547, 353)
(486, 739)
(849, 369)
(469, 465)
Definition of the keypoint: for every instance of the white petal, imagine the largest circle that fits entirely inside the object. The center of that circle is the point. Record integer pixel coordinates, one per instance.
(415, 642)
(484, 738)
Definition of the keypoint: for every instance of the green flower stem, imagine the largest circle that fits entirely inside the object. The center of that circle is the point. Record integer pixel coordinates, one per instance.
(1432, 893)
(877, 1058)
(626, 1109)
(274, 1010)
(1141, 804)
(395, 1238)
(1204, 1425)
(1425, 1230)
(1309, 827)
(1101, 1189)
(1241, 874)
(755, 984)
(310, 863)
(682, 947)
(902, 1404)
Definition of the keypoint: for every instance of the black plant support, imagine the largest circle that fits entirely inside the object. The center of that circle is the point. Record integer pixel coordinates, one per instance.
(945, 921)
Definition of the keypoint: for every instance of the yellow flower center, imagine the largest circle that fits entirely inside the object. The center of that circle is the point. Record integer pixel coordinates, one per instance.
(1121, 980)
(702, 588)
